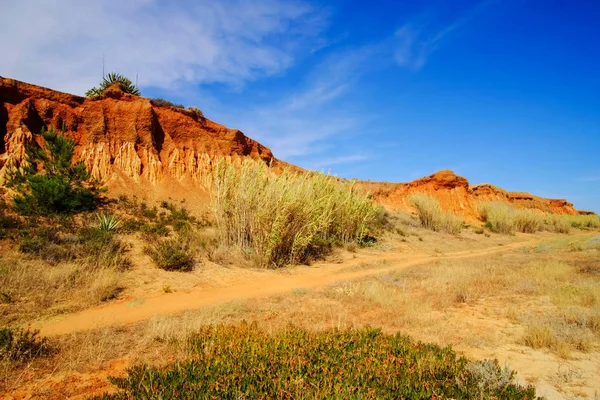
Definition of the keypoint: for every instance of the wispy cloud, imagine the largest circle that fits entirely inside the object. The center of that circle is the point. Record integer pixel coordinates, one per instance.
(341, 160)
(227, 41)
(419, 37)
(301, 123)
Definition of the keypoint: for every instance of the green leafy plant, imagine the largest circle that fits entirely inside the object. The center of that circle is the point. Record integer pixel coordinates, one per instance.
(108, 222)
(112, 78)
(243, 362)
(48, 182)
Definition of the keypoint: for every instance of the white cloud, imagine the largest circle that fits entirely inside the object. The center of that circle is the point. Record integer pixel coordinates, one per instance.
(60, 44)
(419, 37)
(414, 44)
(301, 123)
(341, 160)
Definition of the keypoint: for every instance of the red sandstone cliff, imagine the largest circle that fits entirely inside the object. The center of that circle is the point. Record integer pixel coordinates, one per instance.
(130, 143)
(455, 194)
(119, 134)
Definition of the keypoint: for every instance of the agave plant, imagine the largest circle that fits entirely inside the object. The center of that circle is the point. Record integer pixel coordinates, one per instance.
(124, 83)
(108, 222)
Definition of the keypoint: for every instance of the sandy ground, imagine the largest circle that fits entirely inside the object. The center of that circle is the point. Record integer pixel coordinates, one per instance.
(479, 330)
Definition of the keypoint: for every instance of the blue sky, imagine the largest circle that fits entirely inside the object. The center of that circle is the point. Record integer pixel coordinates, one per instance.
(505, 92)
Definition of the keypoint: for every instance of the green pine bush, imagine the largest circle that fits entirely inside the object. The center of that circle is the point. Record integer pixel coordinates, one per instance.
(49, 183)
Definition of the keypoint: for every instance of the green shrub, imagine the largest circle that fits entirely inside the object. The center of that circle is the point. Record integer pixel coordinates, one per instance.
(149, 213)
(242, 362)
(194, 112)
(281, 219)
(171, 254)
(49, 183)
(432, 216)
(132, 225)
(165, 103)
(155, 229)
(20, 345)
(8, 223)
(100, 249)
(46, 243)
(93, 246)
(124, 83)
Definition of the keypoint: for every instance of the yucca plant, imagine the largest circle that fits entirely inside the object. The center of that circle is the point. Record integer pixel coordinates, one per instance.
(107, 222)
(124, 83)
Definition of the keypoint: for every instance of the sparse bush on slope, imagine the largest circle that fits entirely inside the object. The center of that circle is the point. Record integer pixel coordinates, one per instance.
(48, 182)
(19, 345)
(171, 254)
(288, 218)
(243, 362)
(432, 216)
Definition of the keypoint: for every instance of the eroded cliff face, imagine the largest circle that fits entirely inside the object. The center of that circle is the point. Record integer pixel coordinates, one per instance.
(135, 147)
(451, 190)
(119, 134)
(456, 195)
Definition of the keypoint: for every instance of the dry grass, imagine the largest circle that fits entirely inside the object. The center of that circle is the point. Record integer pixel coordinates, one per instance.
(288, 218)
(584, 221)
(527, 221)
(432, 216)
(503, 218)
(35, 288)
(552, 294)
(557, 223)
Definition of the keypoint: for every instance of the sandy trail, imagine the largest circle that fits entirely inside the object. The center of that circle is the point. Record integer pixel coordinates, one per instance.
(131, 310)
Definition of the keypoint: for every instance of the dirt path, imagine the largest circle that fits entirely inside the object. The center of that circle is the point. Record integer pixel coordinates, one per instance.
(132, 310)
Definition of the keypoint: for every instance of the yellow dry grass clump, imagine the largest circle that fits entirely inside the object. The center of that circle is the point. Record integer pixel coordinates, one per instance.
(503, 218)
(287, 218)
(432, 216)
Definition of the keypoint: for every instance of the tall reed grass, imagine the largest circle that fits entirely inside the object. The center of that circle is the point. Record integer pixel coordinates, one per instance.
(558, 223)
(432, 216)
(584, 221)
(288, 218)
(503, 218)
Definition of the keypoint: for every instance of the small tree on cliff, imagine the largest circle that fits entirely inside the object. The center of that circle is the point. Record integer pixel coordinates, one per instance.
(49, 183)
(113, 78)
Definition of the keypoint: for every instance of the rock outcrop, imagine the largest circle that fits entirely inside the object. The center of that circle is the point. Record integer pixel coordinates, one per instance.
(135, 147)
(119, 135)
(456, 195)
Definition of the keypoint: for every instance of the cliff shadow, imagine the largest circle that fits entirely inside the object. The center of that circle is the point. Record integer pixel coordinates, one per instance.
(3, 128)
